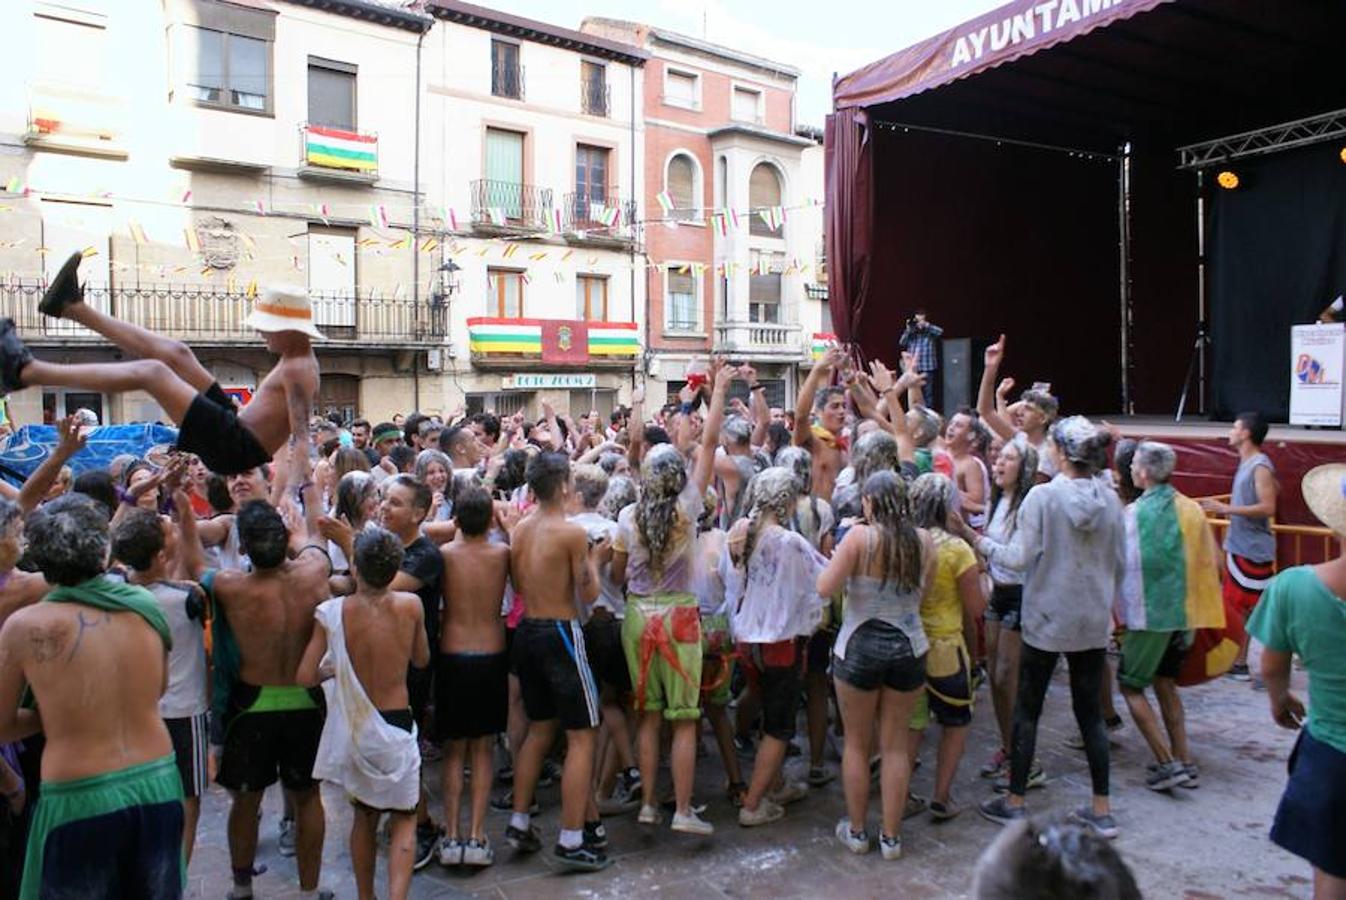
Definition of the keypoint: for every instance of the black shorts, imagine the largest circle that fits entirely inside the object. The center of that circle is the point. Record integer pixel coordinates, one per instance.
(259, 746)
(212, 431)
(778, 671)
(420, 682)
(879, 655)
(1006, 606)
(607, 659)
(554, 675)
(191, 741)
(820, 649)
(471, 695)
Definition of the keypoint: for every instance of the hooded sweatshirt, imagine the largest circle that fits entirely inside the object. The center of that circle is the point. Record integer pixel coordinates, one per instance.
(1070, 543)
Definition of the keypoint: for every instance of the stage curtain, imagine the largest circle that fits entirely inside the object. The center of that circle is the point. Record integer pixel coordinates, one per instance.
(849, 217)
(1277, 258)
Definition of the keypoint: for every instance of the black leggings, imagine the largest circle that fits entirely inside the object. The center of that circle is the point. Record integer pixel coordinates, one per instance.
(1087, 668)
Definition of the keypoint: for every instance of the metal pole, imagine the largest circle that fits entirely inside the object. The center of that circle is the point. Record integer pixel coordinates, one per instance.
(1201, 292)
(416, 231)
(1124, 268)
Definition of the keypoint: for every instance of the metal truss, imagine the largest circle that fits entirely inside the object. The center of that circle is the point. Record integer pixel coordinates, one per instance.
(1325, 127)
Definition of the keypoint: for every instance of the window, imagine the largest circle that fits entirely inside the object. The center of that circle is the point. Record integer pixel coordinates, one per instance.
(70, 49)
(746, 105)
(591, 182)
(230, 70)
(681, 312)
(506, 74)
(764, 291)
(591, 298)
(504, 293)
(331, 275)
(331, 94)
(681, 89)
(504, 172)
(681, 187)
(763, 193)
(593, 88)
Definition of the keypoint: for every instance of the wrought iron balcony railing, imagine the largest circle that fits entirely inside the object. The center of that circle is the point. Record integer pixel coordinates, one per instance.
(510, 205)
(599, 214)
(595, 97)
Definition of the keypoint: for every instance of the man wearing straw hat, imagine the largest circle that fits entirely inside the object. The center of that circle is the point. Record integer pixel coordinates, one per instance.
(229, 442)
(1302, 614)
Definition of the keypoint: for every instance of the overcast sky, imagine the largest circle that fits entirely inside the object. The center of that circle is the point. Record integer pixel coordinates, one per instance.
(834, 36)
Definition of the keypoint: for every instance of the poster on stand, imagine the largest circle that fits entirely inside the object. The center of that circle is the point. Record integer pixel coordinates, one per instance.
(1317, 354)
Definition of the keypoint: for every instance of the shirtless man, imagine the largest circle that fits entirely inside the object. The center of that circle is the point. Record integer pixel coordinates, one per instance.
(472, 678)
(272, 724)
(554, 566)
(94, 653)
(970, 473)
(228, 441)
(824, 439)
(373, 635)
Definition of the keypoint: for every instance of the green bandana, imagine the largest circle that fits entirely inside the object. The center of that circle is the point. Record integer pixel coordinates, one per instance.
(113, 596)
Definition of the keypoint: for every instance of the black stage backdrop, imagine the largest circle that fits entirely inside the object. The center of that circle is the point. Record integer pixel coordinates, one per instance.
(1277, 257)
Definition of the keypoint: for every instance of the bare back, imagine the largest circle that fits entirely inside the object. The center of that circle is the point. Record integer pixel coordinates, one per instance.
(380, 639)
(97, 677)
(542, 558)
(271, 614)
(267, 414)
(475, 573)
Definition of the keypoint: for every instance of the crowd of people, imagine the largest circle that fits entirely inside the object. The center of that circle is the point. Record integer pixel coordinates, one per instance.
(566, 600)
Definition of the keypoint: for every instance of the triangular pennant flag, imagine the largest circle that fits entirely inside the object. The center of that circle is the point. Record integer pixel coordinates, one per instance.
(538, 257)
(525, 278)
(665, 201)
(428, 245)
(557, 225)
(565, 256)
(252, 288)
(260, 207)
(510, 250)
(186, 197)
(497, 216)
(189, 236)
(137, 233)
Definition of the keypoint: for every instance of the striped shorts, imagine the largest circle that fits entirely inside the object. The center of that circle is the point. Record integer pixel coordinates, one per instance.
(1244, 582)
(191, 739)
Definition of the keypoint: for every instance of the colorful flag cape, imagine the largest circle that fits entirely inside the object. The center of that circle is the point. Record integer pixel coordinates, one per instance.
(1172, 580)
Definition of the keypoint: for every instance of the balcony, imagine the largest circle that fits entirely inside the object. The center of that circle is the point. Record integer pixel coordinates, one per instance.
(207, 315)
(507, 207)
(333, 154)
(595, 97)
(74, 119)
(759, 340)
(517, 343)
(507, 79)
(601, 219)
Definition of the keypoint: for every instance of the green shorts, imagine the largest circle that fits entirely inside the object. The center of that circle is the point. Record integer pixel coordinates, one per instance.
(661, 636)
(717, 659)
(1147, 655)
(118, 833)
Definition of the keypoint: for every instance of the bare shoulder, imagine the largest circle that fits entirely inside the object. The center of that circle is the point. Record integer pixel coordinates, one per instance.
(407, 604)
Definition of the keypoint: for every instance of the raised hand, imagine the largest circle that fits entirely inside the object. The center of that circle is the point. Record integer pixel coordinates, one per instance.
(833, 358)
(1004, 387)
(748, 373)
(880, 376)
(995, 353)
(70, 438)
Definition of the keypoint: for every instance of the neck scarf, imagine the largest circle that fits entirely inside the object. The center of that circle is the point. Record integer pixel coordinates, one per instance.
(828, 439)
(100, 593)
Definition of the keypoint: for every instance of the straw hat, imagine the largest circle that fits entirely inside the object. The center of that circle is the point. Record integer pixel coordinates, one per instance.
(1324, 490)
(284, 308)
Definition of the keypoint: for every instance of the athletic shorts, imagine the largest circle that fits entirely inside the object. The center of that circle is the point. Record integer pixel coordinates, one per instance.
(420, 683)
(1311, 819)
(948, 686)
(471, 695)
(878, 654)
(661, 637)
(554, 676)
(118, 834)
(607, 659)
(191, 742)
(717, 659)
(777, 669)
(1147, 655)
(1006, 606)
(270, 731)
(212, 431)
(1244, 582)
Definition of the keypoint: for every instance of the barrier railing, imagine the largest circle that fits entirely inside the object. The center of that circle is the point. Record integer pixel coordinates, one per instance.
(1322, 540)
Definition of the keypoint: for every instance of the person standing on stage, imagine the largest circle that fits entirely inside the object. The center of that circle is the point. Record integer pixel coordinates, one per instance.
(1250, 547)
(921, 339)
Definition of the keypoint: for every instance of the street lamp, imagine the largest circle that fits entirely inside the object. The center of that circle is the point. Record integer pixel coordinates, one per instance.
(448, 278)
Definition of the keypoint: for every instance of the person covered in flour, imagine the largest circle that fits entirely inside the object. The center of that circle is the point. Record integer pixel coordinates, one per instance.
(361, 649)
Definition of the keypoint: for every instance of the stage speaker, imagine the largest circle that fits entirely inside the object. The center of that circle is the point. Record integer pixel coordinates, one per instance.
(963, 362)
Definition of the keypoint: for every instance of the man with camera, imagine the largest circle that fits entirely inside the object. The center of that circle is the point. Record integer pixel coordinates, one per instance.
(921, 339)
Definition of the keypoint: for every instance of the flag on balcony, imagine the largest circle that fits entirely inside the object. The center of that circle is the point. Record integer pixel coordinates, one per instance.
(333, 148)
(450, 219)
(773, 217)
(821, 341)
(565, 341)
(613, 339)
(557, 225)
(497, 216)
(665, 201)
(721, 223)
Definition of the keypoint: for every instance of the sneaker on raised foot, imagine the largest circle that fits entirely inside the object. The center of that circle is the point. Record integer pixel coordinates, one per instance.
(1104, 826)
(595, 835)
(854, 841)
(550, 774)
(1164, 776)
(1036, 778)
(286, 843)
(427, 841)
(582, 858)
(890, 845)
(64, 289)
(999, 811)
(524, 840)
(1239, 672)
(915, 805)
(478, 853)
(820, 775)
(996, 766)
(765, 813)
(691, 823)
(943, 812)
(649, 815)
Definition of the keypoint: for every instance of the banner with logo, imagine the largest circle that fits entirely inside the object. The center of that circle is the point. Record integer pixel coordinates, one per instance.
(565, 341)
(1317, 355)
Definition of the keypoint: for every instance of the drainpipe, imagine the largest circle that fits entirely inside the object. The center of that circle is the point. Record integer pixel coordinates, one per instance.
(416, 226)
(632, 253)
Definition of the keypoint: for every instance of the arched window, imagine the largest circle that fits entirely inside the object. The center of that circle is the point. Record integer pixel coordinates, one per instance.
(681, 187)
(763, 193)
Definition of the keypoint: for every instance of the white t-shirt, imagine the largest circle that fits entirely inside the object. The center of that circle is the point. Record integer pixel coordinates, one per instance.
(676, 576)
(186, 692)
(610, 596)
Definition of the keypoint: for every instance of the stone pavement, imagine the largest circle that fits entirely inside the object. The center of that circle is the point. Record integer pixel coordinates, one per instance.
(1195, 844)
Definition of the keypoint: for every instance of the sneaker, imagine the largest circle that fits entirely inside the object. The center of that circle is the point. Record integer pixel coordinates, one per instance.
(595, 835)
(524, 841)
(582, 858)
(691, 823)
(550, 774)
(286, 842)
(478, 853)
(979, 676)
(505, 803)
(1239, 672)
(745, 746)
(1076, 740)
(855, 841)
(820, 775)
(765, 813)
(999, 811)
(451, 852)
(1036, 778)
(649, 815)
(1163, 776)
(943, 812)
(427, 841)
(14, 355)
(1193, 776)
(1103, 826)
(64, 288)
(997, 766)
(890, 846)
(916, 804)
(790, 792)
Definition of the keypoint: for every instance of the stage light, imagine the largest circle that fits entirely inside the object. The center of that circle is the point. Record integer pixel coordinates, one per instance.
(1343, 154)
(1228, 180)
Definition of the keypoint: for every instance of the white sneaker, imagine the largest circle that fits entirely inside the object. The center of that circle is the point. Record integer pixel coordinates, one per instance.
(765, 813)
(451, 852)
(890, 847)
(852, 841)
(478, 853)
(691, 823)
(649, 815)
(790, 792)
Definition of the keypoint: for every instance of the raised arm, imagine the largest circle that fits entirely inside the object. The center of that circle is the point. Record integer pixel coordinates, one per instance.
(299, 403)
(986, 391)
(69, 441)
(803, 435)
(891, 390)
(636, 426)
(915, 394)
(761, 412)
(191, 560)
(710, 434)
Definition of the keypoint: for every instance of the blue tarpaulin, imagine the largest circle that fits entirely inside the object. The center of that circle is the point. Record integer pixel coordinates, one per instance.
(24, 451)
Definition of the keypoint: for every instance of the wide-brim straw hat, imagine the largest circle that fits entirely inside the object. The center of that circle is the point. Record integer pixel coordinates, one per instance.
(1324, 489)
(284, 308)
